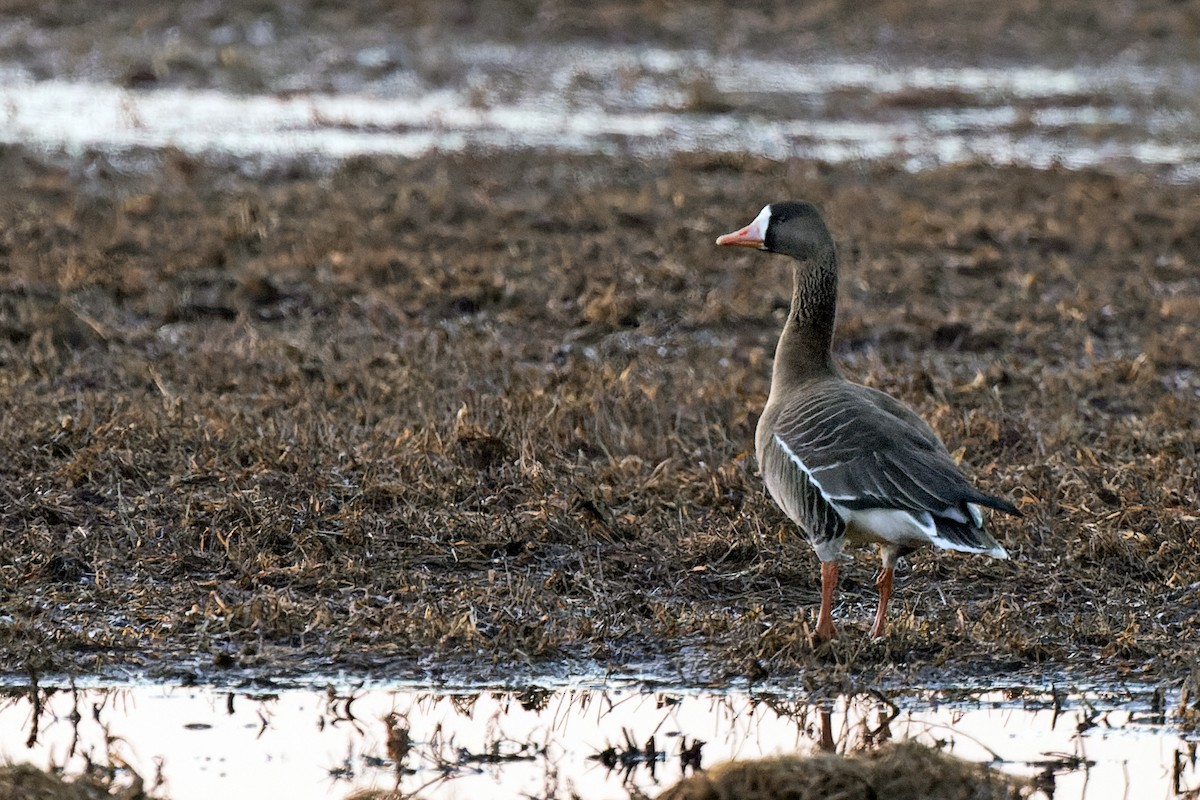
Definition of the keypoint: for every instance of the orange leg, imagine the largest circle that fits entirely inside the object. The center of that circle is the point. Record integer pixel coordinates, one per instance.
(884, 582)
(829, 572)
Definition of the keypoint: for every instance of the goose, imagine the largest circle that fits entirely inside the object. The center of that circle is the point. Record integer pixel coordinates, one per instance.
(846, 463)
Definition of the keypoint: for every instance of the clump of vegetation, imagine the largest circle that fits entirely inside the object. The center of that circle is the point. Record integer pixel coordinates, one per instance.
(903, 771)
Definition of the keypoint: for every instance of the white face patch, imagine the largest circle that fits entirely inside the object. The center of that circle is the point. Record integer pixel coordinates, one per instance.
(758, 228)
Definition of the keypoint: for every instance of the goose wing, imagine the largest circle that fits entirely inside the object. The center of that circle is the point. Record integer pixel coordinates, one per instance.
(873, 462)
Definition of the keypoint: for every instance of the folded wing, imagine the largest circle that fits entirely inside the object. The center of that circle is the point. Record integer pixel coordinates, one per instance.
(855, 453)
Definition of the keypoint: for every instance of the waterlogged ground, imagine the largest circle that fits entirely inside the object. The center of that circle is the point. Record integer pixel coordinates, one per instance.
(273, 91)
(623, 740)
(392, 344)
(479, 414)
(654, 102)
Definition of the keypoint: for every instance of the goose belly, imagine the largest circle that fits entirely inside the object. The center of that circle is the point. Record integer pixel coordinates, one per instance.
(889, 526)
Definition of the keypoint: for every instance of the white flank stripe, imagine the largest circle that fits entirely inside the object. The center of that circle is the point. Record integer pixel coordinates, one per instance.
(808, 474)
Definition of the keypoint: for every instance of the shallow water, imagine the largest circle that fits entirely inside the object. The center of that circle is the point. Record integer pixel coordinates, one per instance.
(471, 742)
(649, 102)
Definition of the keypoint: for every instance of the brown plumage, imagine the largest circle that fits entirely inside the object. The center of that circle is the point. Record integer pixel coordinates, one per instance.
(845, 462)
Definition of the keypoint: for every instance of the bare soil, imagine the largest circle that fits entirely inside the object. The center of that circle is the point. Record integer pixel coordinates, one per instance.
(489, 415)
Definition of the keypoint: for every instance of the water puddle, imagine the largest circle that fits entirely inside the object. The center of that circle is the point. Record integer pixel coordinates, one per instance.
(647, 102)
(585, 742)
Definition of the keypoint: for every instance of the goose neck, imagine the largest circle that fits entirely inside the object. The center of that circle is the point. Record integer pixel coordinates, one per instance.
(805, 346)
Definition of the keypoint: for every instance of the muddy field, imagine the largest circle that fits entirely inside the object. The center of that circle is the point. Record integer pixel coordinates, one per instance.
(490, 415)
(319, 45)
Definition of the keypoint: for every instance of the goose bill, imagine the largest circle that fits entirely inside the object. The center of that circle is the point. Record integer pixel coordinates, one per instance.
(753, 235)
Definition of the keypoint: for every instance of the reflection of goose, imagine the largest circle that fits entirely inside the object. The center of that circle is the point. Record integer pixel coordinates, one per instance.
(843, 461)
(904, 771)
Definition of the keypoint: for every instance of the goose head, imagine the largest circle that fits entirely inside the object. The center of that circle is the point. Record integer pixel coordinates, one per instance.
(790, 228)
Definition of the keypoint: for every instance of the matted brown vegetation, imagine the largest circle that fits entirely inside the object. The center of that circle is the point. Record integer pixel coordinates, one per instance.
(900, 771)
(470, 412)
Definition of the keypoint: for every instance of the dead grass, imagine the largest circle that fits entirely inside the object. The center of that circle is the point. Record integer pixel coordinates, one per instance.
(474, 412)
(903, 771)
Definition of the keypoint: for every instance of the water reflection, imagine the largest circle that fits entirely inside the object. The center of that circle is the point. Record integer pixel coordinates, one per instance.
(545, 743)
